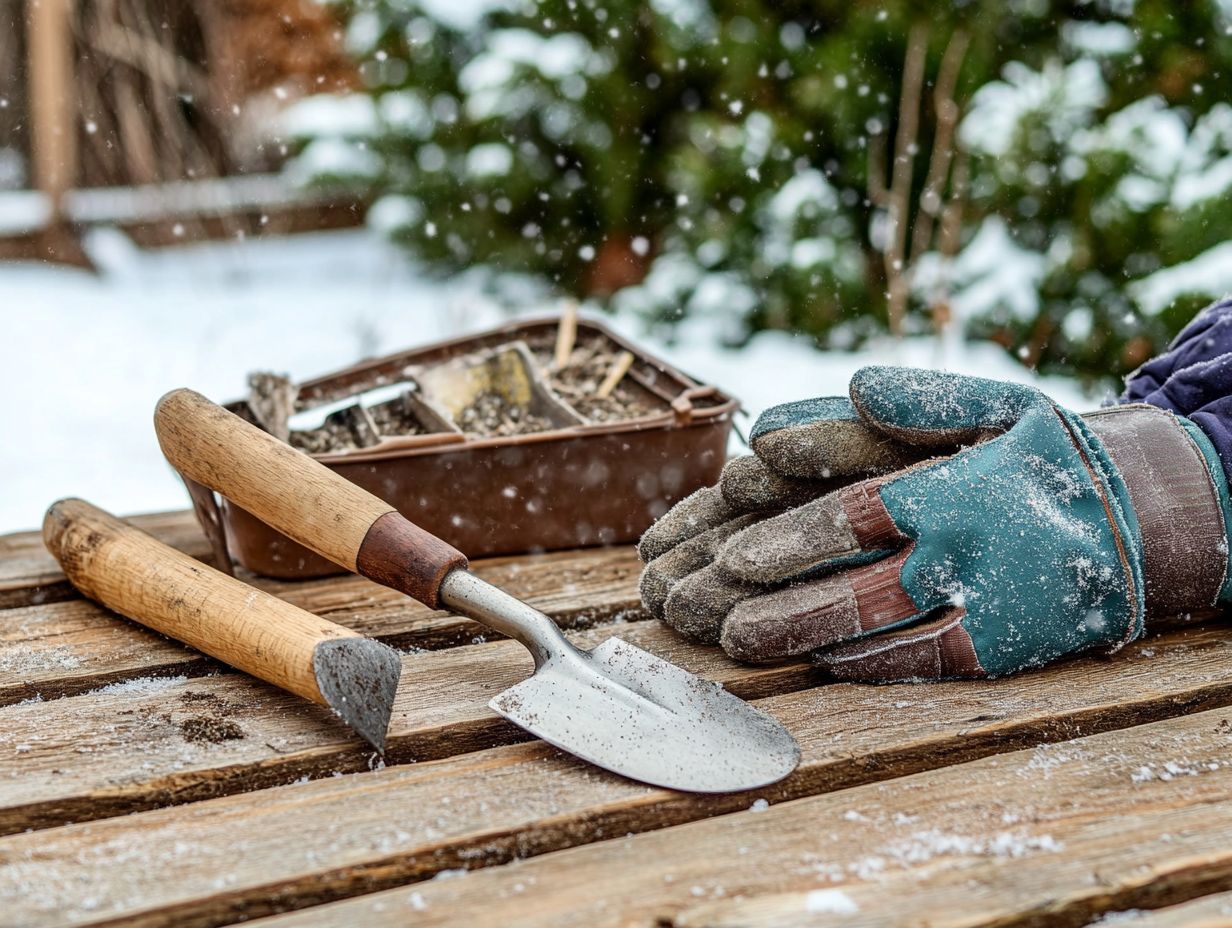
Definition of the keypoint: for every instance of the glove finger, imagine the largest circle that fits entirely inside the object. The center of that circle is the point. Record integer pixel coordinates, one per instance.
(849, 525)
(836, 448)
(825, 437)
(692, 516)
(807, 616)
(931, 408)
(749, 485)
(700, 602)
(691, 555)
(803, 412)
(939, 649)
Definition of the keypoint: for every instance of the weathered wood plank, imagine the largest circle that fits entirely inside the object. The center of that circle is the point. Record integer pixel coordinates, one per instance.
(1213, 911)
(137, 746)
(29, 575)
(1052, 835)
(294, 846)
(70, 647)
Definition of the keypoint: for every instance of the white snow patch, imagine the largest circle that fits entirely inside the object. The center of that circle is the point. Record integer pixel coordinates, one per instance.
(562, 55)
(1063, 96)
(925, 845)
(1150, 132)
(1205, 170)
(991, 273)
(23, 211)
(330, 157)
(394, 211)
(1209, 275)
(23, 659)
(491, 160)
(461, 15)
(830, 901)
(141, 686)
(808, 193)
(1099, 39)
(351, 115)
(1191, 189)
(406, 111)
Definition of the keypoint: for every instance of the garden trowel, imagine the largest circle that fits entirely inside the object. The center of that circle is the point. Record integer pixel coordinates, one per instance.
(616, 706)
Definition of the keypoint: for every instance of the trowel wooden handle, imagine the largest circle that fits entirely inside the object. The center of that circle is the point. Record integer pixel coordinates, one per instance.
(164, 589)
(301, 497)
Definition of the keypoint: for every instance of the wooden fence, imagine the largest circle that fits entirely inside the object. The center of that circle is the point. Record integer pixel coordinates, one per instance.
(101, 93)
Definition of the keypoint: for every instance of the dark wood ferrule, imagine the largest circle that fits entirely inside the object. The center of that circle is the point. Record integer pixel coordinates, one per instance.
(398, 554)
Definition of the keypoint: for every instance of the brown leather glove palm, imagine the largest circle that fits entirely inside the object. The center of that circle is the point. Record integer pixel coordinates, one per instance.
(802, 451)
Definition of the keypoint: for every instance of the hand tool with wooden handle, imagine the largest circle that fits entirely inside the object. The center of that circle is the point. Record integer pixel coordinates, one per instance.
(164, 589)
(616, 706)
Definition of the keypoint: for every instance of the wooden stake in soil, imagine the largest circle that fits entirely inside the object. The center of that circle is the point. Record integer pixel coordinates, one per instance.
(566, 336)
(131, 573)
(615, 375)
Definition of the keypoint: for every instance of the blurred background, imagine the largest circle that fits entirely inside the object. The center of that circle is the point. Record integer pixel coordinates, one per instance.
(771, 194)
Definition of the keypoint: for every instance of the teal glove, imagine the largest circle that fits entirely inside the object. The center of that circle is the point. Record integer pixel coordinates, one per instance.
(801, 451)
(1049, 534)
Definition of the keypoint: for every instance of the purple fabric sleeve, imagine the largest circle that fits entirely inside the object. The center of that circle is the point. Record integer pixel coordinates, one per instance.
(1193, 378)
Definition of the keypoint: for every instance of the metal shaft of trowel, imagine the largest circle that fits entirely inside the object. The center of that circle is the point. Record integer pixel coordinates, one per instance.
(467, 595)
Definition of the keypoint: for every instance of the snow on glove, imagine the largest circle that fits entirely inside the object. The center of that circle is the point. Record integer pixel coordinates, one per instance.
(1049, 534)
(802, 451)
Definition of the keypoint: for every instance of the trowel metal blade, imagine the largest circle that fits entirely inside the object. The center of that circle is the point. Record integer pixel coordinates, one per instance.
(630, 712)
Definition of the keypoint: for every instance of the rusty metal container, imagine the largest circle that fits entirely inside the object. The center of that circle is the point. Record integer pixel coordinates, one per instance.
(593, 476)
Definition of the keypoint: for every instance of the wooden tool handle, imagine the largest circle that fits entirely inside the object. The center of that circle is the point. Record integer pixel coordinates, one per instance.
(301, 497)
(164, 589)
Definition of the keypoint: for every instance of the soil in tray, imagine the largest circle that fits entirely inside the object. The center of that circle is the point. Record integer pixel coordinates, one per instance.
(577, 383)
(395, 419)
(338, 433)
(331, 437)
(491, 415)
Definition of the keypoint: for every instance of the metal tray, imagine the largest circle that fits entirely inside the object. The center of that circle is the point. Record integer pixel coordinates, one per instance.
(578, 483)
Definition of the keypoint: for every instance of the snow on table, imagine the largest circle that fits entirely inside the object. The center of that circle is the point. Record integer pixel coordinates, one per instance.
(938, 803)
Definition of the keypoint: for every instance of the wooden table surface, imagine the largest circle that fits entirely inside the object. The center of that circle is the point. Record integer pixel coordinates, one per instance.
(143, 784)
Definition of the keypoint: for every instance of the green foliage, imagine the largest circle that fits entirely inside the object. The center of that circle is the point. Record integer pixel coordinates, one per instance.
(712, 156)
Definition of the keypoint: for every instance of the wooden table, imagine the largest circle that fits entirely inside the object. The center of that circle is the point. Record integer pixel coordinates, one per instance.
(143, 784)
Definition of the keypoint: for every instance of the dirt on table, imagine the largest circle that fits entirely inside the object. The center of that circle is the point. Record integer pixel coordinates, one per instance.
(577, 382)
(209, 722)
(491, 415)
(210, 730)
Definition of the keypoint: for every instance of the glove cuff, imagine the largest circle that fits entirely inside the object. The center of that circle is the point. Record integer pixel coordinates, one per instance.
(1181, 505)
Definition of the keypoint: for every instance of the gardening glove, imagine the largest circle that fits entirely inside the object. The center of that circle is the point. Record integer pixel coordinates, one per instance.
(1048, 534)
(802, 451)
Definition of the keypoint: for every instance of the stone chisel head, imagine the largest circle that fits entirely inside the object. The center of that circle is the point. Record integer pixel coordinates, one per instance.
(358, 678)
(164, 589)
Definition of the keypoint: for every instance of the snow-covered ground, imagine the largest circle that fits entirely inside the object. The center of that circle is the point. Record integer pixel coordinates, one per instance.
(83, 358)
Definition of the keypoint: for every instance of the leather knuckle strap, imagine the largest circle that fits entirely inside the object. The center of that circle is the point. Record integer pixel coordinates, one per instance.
(871, 523)
(1176, 503)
